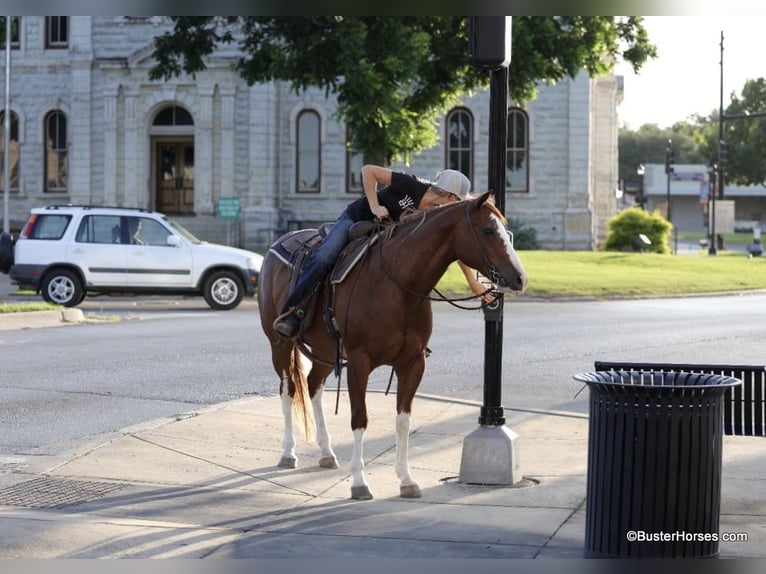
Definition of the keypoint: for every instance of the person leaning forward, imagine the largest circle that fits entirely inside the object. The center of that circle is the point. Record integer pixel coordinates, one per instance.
(401, 192)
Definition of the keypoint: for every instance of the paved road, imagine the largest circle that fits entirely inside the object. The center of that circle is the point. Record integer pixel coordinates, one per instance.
(166, 357)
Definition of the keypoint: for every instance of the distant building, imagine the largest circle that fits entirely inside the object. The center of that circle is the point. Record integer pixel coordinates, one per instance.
(690, 193)
(89, 127)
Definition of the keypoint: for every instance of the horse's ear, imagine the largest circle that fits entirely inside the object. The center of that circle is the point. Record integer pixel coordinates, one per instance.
(482, 198)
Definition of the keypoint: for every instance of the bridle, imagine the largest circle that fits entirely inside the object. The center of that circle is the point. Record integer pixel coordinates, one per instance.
(495, 275)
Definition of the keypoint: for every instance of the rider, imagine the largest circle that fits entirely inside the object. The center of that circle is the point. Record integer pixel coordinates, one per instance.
(401, 191)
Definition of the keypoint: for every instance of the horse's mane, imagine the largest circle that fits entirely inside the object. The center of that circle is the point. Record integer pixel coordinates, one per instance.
(410, 215)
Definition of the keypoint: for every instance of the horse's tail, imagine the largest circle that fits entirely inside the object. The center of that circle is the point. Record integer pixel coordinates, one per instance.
(299, 366)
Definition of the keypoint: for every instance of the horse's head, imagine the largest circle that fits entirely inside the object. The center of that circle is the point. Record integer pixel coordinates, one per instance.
(488, 245)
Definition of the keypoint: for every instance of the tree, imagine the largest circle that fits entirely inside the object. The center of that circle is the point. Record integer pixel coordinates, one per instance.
(746, 135)
(394, 77)
(648, 143)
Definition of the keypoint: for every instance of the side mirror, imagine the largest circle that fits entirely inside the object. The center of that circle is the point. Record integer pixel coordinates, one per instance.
(174, 241)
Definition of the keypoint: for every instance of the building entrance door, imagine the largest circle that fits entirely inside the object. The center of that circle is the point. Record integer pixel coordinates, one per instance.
(175, 176)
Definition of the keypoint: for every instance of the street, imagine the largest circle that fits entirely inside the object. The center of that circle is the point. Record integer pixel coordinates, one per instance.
(159, 358)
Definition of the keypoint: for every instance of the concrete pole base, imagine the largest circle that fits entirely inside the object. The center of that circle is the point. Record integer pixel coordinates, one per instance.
(490, 456)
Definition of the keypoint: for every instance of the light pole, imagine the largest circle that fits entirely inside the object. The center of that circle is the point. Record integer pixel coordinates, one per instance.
(670, 160)
(641, 200)
(711, 170)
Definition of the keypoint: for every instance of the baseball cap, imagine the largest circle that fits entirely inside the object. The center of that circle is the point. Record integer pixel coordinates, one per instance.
(453, 181)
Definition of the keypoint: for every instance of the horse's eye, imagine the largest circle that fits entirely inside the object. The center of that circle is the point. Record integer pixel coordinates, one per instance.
(487, 231)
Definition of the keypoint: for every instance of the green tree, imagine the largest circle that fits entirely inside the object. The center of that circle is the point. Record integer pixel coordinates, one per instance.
(647, 145)
(395, 76)
(746, 135)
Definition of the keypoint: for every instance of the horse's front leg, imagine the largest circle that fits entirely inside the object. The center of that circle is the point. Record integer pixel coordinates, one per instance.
(357, 387)
(408, 488)
(408, 379)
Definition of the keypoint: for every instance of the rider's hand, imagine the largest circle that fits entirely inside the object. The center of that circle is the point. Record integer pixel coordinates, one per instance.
(488, 298)
(380, 211)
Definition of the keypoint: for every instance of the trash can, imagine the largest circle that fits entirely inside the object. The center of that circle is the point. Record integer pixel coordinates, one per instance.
(654, 463)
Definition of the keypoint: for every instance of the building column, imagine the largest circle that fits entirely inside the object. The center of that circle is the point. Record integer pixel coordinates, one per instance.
(203, 152)
(133, 169)
(110, 148)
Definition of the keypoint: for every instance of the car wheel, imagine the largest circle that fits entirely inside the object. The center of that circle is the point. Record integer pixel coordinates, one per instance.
(6, 252)
(63, 287)
(223, 290)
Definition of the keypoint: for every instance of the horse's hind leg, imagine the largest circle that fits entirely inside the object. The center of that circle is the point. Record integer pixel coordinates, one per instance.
(316, 379)
(408, 380)
(282, 357)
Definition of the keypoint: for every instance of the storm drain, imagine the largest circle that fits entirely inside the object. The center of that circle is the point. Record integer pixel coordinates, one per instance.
(49, 492)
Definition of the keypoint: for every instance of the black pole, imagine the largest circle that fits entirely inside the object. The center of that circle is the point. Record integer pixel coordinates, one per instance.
(718, 191)
(492, 410)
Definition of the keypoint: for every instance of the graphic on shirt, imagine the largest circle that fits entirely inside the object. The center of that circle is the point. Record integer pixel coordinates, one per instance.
(406, 202)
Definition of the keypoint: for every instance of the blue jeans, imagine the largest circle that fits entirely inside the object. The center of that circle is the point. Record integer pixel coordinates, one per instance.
(321, 261)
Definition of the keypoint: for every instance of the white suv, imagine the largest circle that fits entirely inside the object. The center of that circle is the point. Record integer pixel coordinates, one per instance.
(66, 252)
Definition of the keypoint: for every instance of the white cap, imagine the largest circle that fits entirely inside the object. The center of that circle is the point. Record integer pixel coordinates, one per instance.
(453, 181)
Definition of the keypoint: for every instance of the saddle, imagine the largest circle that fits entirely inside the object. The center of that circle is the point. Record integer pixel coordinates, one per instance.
(295, 248)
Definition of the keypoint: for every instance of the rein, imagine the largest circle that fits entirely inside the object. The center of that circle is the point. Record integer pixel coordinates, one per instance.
(441, 297)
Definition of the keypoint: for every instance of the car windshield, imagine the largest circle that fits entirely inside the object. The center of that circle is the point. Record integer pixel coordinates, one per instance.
(181, 230)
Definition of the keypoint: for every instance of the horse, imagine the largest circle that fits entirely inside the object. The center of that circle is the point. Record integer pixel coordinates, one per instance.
(383, 315)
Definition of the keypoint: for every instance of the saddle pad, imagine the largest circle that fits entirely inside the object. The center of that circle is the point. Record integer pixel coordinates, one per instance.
(288, 245)
(351, 255)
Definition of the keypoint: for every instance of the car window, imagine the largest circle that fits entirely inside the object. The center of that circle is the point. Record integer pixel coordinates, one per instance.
(99, 229)
(147, 231)
(49, 226)
(181, 230)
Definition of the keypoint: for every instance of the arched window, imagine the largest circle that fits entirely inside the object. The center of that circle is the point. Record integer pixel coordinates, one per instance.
(308, 152)
(517, 152)
(56, 160)
(354, 163)
(460, 141)
(13, 158)
(173, 116)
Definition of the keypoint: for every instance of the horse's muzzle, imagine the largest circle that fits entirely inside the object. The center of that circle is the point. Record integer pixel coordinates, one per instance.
(509, 281)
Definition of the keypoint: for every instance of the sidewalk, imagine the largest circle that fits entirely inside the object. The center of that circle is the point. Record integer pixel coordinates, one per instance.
(205, 485)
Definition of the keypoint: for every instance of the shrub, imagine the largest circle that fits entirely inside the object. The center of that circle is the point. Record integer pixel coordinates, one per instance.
(524, 237)
(625, 227)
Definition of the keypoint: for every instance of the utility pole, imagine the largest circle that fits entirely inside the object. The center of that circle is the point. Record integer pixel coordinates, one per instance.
(7, 127)
(713, 248)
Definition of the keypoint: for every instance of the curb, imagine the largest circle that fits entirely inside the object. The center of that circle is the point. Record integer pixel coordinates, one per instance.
(33, 319)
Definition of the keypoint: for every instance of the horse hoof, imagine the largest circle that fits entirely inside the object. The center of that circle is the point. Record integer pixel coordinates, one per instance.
(288, 462)
(361, 493)
(409, 491)
(328, 462)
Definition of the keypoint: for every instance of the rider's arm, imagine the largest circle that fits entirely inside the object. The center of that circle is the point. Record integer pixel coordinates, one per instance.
(372, 175)
(473, 283)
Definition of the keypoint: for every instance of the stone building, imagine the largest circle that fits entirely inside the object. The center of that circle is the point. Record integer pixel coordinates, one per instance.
(89, 127)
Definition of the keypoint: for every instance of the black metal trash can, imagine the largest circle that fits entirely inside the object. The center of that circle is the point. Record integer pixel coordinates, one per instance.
(654, 463)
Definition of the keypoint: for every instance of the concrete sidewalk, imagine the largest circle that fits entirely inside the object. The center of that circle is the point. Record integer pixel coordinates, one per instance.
(205, 485)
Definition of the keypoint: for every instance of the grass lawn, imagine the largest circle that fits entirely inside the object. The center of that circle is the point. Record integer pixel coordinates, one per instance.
(612, 274)
(24, 306)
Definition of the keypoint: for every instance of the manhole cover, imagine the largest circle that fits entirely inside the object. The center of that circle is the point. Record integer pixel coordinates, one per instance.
(48, 492)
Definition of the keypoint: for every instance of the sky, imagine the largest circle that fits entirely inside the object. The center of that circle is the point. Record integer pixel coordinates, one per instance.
(685, 77)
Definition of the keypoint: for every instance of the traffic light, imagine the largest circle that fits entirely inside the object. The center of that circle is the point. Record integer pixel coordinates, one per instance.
(723, 152)
(670, 160)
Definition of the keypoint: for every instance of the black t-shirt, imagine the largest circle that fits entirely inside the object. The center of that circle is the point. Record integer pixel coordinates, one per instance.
(405, 191)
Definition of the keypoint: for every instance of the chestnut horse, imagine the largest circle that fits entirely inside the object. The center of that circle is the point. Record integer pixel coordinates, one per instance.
(383, 314)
